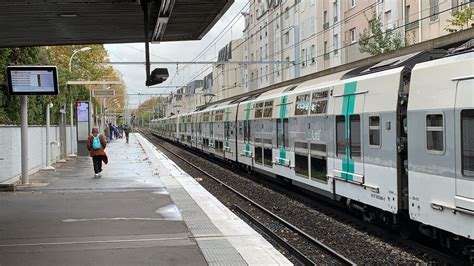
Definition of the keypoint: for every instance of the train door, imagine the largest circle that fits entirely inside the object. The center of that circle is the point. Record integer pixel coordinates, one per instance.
(348, 113)
(464, 117)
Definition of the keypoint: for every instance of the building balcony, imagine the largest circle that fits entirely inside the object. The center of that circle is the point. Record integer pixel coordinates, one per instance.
(326, 25)
(412, 25)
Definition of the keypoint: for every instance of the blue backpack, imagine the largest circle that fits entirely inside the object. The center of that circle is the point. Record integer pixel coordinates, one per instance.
(96, 143)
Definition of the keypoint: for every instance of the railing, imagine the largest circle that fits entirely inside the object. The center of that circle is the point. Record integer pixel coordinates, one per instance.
(326, 25)
(412, 25)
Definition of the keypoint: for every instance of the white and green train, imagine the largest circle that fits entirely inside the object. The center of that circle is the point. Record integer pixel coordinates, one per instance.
(394, 141)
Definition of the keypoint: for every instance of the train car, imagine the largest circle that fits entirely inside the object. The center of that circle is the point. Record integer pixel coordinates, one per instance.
(393, 141)
(441, 147)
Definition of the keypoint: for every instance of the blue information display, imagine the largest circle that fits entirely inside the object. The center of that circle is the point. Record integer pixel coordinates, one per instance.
(32, 80)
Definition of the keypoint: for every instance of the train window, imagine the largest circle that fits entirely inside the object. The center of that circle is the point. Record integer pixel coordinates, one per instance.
(267, 157)
(268, 110)
(374, 131)
(259, 110)
(434, 133)
(241, 129)
(318, 147)
(282, 133)
(319, 102)
(340, 135)
(302, 165)
(302, 104)
(247, 131)
(205, 117)
(318, 169)
(355, 136)
(467, 142)
(258, 154)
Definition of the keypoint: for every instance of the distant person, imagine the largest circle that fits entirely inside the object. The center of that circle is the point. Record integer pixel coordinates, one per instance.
(107, 133)
(96, 145)
(111, 132)
(126, 129)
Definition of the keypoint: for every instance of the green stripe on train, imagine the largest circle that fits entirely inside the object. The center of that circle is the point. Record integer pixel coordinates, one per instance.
(247, 118)
(284, 102)
(348, 106)
(225, 122)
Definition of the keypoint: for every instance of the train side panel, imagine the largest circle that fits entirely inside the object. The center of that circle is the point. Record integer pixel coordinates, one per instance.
(441, 144)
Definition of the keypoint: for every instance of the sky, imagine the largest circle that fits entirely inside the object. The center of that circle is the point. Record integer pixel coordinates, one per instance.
(230, 25)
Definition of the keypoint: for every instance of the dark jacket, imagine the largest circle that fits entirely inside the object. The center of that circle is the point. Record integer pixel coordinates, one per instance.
(98, 152)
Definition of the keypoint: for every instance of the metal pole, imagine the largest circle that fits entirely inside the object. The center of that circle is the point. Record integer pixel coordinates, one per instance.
(48, 138)
(24, 139)
(71, 124)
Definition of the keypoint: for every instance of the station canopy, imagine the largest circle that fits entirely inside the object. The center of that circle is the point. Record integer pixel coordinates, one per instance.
(62, 22)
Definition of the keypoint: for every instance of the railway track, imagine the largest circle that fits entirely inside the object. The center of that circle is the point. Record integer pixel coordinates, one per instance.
(291, 249)
(424, 254)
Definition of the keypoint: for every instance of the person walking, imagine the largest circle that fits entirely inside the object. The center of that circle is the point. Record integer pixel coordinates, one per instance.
(96, 145)
(126, 129)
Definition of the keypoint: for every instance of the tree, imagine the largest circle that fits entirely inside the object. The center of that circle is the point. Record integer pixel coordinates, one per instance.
(461, 19)
(90, 68)
(374, 40)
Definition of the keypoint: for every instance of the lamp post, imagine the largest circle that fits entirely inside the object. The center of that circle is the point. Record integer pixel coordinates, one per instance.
(71, 122)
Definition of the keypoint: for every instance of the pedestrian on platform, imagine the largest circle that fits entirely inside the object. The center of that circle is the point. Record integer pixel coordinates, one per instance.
(126, 129)
(107, 133)
(96, 145)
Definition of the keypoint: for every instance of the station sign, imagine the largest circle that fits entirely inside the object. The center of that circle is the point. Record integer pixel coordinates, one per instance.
(103, 93)
(32, 80)
(83, 120)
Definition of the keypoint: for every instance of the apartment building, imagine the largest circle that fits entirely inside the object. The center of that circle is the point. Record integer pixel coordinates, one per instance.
(299, 37)
(227, 80)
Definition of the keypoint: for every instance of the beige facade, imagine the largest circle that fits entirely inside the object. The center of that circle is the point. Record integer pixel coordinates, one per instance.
(315, 35)
(227, 78)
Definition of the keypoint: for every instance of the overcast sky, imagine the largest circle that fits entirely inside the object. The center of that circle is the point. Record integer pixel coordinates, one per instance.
(134, 75)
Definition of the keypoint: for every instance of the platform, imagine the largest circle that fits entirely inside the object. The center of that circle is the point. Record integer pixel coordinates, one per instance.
(144, 210)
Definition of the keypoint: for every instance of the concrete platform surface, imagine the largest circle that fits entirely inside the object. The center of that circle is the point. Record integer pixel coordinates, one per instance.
(143, 211)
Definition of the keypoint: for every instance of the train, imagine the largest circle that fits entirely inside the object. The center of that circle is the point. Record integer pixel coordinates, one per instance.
(392, 141)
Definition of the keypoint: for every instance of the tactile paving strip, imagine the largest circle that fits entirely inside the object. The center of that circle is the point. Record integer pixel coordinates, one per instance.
(216, 249)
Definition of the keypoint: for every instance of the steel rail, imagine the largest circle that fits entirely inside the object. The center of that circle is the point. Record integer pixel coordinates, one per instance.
(318, 243)
(293, 251)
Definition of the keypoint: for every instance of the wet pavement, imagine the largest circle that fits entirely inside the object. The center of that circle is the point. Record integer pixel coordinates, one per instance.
(68, 218)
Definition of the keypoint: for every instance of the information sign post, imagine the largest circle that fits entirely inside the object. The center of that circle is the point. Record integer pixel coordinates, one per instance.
(83, 126)
(24, 81)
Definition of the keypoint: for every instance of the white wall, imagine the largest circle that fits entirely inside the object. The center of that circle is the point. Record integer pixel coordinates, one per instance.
(10, 149)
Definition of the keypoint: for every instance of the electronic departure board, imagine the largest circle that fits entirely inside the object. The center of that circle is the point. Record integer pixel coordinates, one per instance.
(32, 80)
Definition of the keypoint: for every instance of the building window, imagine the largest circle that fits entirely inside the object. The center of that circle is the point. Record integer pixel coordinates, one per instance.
(467, 142)
(434, 10)
(287, 37)
(326, 55)
(266, 73)
(353, 3)
(374, 131)
(302, 104)
(434, 133)
(287, 13)
(319, 102)
(335, 11)
(355, 136)
(303, 59)
(325, 20)
(352, 32)
(313, 54)
(336, 44)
